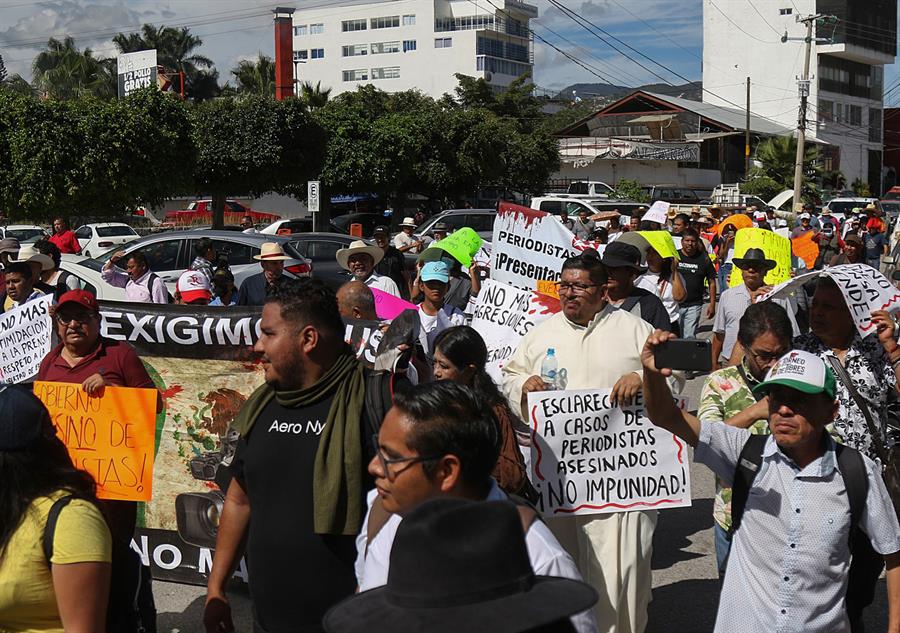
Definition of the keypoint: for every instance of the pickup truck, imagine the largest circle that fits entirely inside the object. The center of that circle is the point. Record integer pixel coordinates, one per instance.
(200, 212)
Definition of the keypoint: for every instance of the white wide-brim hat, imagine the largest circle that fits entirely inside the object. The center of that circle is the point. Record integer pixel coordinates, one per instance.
(28, 253)
(408, 221)
(271, 252)
(355, 248)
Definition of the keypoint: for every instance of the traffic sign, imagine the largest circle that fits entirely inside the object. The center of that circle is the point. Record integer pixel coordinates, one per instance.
(312, 196)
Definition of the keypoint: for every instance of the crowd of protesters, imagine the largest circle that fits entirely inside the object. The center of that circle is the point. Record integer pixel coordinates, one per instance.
(409, 507)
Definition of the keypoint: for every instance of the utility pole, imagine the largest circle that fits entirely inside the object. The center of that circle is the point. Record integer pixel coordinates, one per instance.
(747, 136)
(803, 88)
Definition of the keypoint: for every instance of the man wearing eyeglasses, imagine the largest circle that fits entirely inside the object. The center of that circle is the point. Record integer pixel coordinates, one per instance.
(765, 333)
(597, 346)
(440, 440)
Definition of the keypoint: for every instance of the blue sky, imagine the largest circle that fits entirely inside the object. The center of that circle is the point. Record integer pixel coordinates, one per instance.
(669, 31)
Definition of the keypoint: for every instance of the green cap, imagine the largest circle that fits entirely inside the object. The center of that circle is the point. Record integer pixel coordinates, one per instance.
(801, 371)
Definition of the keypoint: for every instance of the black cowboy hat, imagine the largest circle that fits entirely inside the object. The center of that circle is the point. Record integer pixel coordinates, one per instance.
(461, 565)
(755, 257)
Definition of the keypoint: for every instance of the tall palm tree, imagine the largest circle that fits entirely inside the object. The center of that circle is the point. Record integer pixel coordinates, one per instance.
(64, 72)
(314, 96)
(777, 156)
(256, 78)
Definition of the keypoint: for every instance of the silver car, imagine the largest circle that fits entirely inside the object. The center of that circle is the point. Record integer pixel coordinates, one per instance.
(169, 254)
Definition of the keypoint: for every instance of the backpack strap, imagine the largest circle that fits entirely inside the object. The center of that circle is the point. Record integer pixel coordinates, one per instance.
(50, 526)
(744, 473)
(856, 480)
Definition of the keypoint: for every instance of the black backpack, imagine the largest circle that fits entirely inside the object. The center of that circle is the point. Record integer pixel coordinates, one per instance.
(850, 465)
(150, 280)
(131, 608)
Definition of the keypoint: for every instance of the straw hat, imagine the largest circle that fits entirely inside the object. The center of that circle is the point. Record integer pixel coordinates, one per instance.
(408, 221)
(355, 248)
(29, 253)
(271, 252)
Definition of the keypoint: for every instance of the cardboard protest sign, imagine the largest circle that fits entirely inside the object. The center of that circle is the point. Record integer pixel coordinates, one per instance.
(110, 436)
(738, 221)
(364, 337)
(388, 306)
(806, 248)
(658, 212)
(462, 244)
(25, 333)
(547, 287)
(589, 457)
(529, 245)
(775, 247)
(661, 242)
(503, 315)
(864, 289)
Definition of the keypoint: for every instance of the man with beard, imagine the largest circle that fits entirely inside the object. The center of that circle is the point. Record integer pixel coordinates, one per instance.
(298, 470)
(599, 347)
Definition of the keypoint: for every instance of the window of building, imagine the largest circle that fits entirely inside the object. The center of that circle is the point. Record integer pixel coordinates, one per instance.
(317, 53)
(385, 47)
(388, 72)
(875, 124)
(409, 45)
(443, 42)
(301, 29)
(826, 110)
(786, 11)
(353, 25)
(854, 115)
(316, 29)
(465, 23)
(503, 66)
(409, 20)
(388, 22)
(301, 56)
(354, 50)
(356, 75)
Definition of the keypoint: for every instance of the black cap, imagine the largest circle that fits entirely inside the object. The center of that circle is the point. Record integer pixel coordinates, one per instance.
(381, 229)
(23, 418)
(618, 255)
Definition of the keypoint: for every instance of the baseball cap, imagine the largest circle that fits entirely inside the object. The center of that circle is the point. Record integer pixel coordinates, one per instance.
(381, 230)
(193, 285)
(82, 298)
(801, 371)
(436, 271)
(23, 418)
(804, 216)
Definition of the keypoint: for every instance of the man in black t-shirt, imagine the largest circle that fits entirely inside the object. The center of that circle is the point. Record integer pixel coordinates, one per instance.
(696, 267)
(393, 264)
(299, 469)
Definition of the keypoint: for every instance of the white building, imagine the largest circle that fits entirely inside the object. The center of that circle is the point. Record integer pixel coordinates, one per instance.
(399, 45)
(742, 38)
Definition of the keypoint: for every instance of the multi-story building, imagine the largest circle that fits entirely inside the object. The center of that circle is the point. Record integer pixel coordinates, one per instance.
(743, 38)
(404, 44)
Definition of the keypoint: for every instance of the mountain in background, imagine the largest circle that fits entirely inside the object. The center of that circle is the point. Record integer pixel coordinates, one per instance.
(607, 92)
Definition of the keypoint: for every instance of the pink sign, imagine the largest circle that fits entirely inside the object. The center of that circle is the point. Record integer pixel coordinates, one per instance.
(387, 306)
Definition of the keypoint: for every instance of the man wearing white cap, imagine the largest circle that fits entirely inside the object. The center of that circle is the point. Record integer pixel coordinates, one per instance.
(405, 241)
(360, 259)
(797, 497)
(254, 290)
(192, 289)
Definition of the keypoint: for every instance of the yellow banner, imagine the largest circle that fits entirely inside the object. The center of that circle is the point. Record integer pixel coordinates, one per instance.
(773, 245)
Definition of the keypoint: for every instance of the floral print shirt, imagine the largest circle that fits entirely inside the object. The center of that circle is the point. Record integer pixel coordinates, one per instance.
(725, 393)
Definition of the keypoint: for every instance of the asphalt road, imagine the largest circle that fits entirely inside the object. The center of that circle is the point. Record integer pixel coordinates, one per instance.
(685, 582)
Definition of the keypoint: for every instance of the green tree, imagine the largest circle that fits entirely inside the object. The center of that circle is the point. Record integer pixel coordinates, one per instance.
(777, 156)
(253, 146)
(629, 189)
(861, 188)
(314, 97)
(256, 78)
(61, 71)
(91, 158)
(3, 72)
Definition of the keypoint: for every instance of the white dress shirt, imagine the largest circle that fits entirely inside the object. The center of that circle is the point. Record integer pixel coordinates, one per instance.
(383, 283)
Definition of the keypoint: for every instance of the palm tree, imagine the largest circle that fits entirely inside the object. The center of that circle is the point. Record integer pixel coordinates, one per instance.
(63, 72)
(18, 85)
(777, 156)
(256, 78)
(314, 96)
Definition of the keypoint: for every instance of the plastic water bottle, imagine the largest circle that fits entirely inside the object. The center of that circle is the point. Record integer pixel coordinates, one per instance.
(548, 368)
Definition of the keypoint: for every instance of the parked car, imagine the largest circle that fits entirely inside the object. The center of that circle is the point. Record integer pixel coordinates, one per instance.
(99, 238)
(556, 204)
(25, 233)
(288, 227)
(891, 208)
(321, 248)
(892, 194)
(673, 194)
(845, 206)
(590, 188)
(200, 212)
(170, 254)
(341, 224)
(479, 220)
(88, 275)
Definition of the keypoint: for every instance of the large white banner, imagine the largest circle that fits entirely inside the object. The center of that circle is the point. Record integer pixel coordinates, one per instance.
(529, 246)
(503, 314)
(25, 333)
(589, 457)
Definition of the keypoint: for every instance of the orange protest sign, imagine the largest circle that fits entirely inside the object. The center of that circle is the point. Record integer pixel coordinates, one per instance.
(738, 221)
(547, 287)
(806, 249)
(112, 436)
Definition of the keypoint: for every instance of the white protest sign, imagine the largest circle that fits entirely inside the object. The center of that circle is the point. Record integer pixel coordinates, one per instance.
(530, 245)
(504, 314)
(864, 289)
(589, 457)
(25, 333)
(658, 212)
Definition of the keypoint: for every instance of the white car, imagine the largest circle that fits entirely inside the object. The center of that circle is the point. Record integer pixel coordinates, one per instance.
(89, 277)
(288, 227)
(25, 233)
(96, 239)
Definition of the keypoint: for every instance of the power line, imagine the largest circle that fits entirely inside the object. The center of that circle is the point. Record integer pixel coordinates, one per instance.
(738, 26)
(753, 6)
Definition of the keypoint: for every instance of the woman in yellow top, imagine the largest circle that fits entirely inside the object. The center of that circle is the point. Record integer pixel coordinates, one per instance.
(69, 593)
